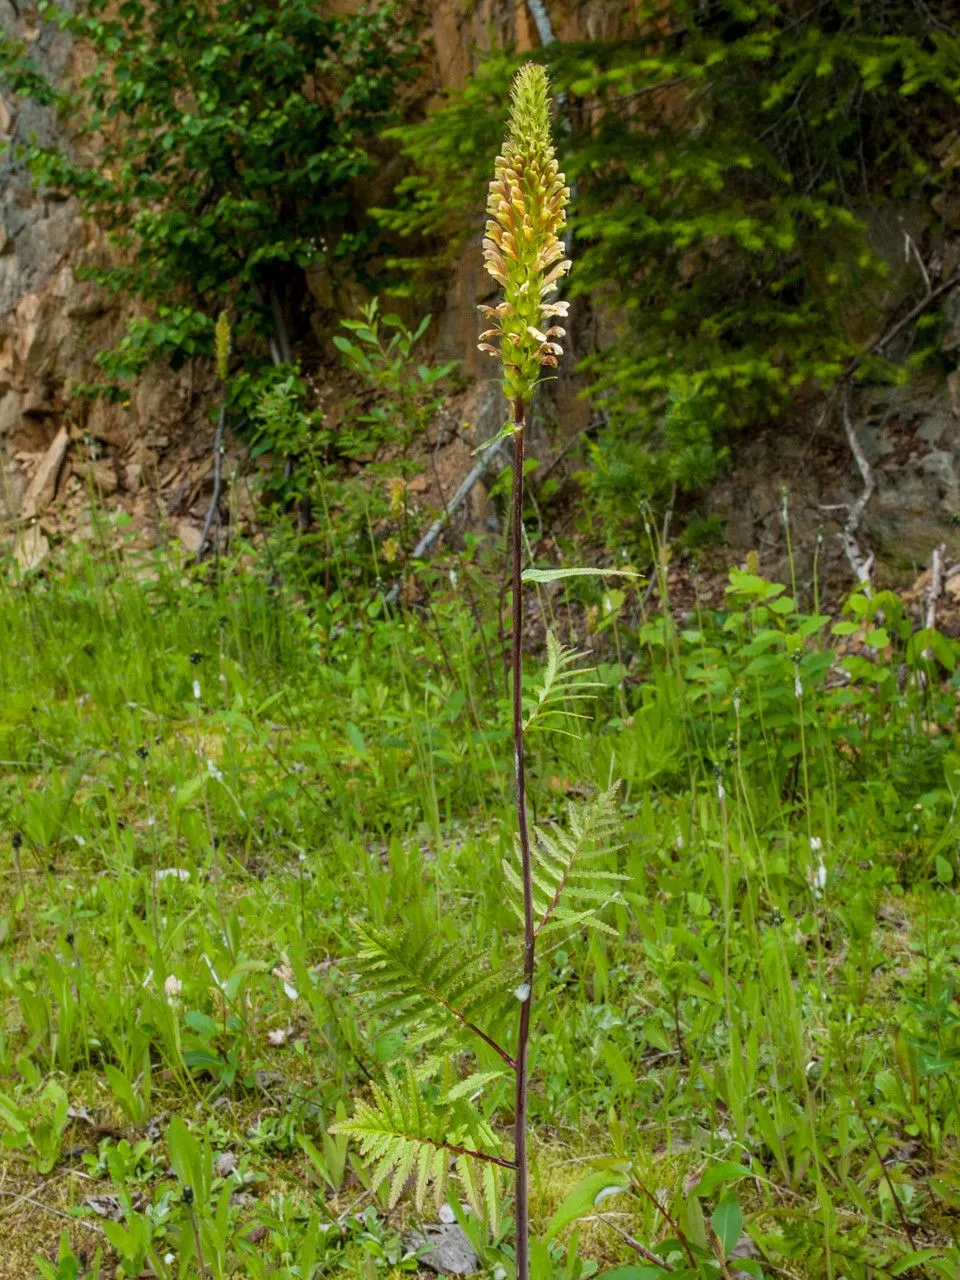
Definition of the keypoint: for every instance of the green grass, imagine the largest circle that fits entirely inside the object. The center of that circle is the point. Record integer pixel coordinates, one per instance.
(207, 782)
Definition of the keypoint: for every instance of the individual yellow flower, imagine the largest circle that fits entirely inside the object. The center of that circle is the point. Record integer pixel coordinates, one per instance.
(391, 550)
(522, 248)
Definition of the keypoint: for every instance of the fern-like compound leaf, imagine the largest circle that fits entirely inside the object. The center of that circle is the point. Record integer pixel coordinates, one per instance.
(563, 685)
(569, 888)
(429, 983)
(403, 1137)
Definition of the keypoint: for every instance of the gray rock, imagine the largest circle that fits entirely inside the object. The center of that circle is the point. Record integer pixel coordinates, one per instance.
(447, 1251)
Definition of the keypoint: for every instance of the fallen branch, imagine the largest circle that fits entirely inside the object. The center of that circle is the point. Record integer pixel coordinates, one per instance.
(541, 20)
(647, 1254)
(935, 588)
(860, 564)
(879, 343)
(466, 487)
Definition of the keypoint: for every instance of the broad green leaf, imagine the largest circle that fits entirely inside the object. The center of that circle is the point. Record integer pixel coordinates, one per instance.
(186, 793)
(693, 1221)
(727, 1222)
(554, 575)
(910, 1260)
(588, 1193)
(719, 1175)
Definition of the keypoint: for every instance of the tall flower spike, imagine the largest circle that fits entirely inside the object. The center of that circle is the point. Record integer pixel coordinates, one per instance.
(522, 249)
(221, 343)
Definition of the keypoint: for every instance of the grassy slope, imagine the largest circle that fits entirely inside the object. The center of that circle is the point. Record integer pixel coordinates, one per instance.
(210, 782)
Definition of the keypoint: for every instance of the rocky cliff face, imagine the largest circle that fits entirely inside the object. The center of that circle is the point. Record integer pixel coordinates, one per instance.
(55, 446)
(150, 457)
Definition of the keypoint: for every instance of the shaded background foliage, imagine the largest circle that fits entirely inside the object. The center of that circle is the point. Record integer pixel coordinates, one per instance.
(726, 161)
(727, 158)
(226, 143)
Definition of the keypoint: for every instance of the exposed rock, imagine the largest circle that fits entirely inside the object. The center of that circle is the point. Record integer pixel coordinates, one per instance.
(190, 535)
(448, 1251)
(31, 547)
(43, 487)
(133, 476)
(11, 413)
(100, 475)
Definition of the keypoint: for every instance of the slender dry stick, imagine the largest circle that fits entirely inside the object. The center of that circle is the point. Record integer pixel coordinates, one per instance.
(885, 1172)
(529, 937)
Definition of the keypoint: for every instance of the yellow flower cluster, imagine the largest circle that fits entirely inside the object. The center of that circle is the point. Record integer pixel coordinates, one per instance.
(397, 496)
(522, 248)
(221, 344)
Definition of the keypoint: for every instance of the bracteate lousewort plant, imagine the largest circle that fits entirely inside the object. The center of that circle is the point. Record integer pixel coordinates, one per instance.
(440, 991)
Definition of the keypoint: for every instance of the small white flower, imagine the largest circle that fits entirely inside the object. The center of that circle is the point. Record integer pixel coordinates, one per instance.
(797, 687)
(453, 578)
(721, 791)
(172, 988)
(816, 844)
(820, 877)
(196, 690)
(214, 772)
(523, 992)
(172, 873)
(169, 1259)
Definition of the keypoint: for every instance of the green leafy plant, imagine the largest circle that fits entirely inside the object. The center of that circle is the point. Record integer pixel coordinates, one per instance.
(37, 1128)
(227, 144)
(380, 348)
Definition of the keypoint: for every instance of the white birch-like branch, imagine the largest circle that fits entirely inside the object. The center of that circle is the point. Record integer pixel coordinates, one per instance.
(464, 489)
(934, 588)
(861, 563)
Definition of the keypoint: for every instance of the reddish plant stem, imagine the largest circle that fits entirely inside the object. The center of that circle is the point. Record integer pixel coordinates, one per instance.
(529, 936)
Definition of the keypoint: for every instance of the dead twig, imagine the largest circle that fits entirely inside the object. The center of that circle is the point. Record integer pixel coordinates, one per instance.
(886, 338)
(647, 1254)
(860, 563)
(465, 488)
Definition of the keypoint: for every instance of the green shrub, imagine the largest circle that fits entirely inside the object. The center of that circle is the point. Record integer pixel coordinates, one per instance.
(221, 145)
(723, 163)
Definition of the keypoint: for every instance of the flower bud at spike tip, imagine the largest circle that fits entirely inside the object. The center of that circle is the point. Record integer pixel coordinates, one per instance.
(221, 343)
(522, 248)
